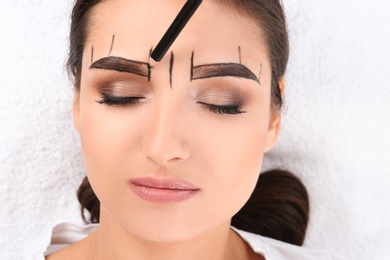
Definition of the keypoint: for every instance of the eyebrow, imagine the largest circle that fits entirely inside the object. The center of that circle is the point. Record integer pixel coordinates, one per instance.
(123, 65)
(221, 70)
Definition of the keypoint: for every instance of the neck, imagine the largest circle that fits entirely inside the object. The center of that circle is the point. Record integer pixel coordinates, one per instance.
(111, 241)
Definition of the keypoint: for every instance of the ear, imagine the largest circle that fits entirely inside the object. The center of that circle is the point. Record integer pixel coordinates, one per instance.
(275, 121)
(76, 109)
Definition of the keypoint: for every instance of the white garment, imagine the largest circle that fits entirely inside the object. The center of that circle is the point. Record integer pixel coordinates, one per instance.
(66, 234)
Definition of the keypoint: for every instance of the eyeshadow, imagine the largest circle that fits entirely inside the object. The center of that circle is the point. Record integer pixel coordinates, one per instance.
(220, 95)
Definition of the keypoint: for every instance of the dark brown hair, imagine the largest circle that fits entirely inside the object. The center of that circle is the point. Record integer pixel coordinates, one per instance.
(279, 205)
(278, 208)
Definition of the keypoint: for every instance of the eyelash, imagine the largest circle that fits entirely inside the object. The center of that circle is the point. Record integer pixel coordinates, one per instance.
(233, 109)
(111, 100)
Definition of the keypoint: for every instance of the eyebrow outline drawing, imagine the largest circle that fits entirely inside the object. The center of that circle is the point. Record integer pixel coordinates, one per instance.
(92, 55)
(112, 44)
(221, 70)
(171, 63)
(123, 65)
(239, 54)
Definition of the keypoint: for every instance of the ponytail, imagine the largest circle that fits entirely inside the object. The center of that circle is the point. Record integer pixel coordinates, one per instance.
(89, 202)
(278, 208)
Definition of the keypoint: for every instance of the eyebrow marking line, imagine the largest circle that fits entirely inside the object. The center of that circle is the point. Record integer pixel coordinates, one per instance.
(92, 55)
(150, 53)
(112, 44)
(261, 69)
(171, 68)
(123, 65)
(239, 54)
(192, 66)
(149, 66)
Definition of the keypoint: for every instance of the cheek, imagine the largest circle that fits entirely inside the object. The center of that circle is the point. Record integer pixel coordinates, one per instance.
(106, 139)
(231, 162)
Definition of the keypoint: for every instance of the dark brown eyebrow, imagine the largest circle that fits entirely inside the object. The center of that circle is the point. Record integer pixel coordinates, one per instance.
(123, 65)
(221, 70)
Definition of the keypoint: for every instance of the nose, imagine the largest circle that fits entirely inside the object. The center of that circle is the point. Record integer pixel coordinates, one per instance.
(166, 140)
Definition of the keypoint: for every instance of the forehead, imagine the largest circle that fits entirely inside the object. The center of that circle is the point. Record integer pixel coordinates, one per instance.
(213, 31)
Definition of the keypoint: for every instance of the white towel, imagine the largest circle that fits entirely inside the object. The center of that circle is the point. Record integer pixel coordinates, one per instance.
(335, 133)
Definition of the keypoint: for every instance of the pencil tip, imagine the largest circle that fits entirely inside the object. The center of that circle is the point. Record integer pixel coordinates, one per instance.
(152, 62)
(156, 57)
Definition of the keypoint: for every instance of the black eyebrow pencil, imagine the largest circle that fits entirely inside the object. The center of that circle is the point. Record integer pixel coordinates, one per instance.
(174, 30)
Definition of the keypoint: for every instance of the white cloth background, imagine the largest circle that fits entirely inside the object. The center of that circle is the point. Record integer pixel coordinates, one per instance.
(335, 136)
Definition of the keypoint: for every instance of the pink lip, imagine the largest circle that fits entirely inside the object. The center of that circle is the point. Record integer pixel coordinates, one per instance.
(163, 190)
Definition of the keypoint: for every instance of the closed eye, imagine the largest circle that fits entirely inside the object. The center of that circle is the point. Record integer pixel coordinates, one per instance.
(233, 109)
(111, 100)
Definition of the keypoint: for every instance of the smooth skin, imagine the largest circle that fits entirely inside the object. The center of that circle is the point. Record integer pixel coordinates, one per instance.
(171, 133)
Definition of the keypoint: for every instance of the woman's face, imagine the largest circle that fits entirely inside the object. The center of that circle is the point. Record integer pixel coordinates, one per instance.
(200, 116)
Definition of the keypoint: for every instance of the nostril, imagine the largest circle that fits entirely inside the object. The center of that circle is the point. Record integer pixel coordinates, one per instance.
(174, 160)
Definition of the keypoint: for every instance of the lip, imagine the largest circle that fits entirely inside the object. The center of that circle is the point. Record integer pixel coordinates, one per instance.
(163, 191)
